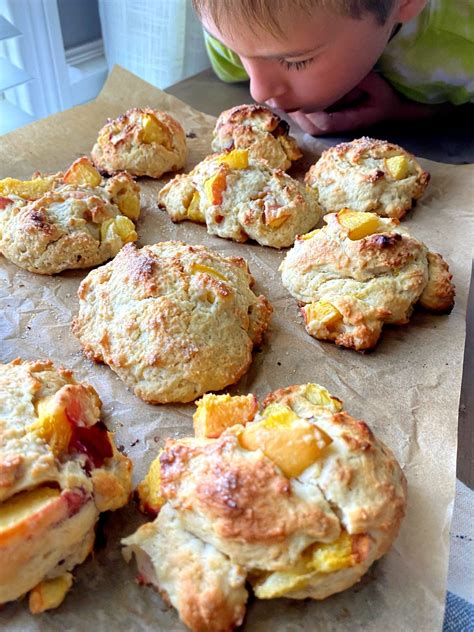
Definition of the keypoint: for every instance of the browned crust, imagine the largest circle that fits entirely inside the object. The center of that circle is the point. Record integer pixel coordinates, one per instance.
(245, 499)
(438, 295)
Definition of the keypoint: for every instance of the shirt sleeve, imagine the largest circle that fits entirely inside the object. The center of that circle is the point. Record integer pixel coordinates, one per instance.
(225, 63)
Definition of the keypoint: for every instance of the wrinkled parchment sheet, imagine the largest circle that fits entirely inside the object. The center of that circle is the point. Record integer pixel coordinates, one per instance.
(407, 389)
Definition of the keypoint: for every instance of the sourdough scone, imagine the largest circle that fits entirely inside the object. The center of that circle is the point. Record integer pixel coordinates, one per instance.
(172, 320)
(298, 502)
(240, 198)
(360, 272)
(258, 129)
(59, 469)
(143, 142)
(68, 220)
(368, 175)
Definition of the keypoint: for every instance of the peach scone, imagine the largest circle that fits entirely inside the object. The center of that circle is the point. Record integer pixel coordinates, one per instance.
(362, 271)
(298, 500)
(238, 198)
(143, 142)
(258, 129)
(59, 469)
(368, 175)
(172, 320)
(68, 220)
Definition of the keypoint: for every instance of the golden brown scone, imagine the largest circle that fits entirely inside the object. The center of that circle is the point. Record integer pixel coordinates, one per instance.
(143, 142)
(240, 198)
(66, 221)
(258, 129)
(172, 320)
(359, 272)
(368, 175)
(59, 468)
(300, 502)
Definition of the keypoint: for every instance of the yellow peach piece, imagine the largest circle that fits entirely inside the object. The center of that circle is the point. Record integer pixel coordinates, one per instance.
(153, 131)
(215, 413)
(49, 593)
(119, 226)
(129, 204)
(149, 490)
(125, 228)
(18, 508)
(311, 234)
(27, 189)
(358, 224)
(193, 210)
(397, 166)
(198, 267)
(52, 425)
(236, 159)
(280, 583)
(215, 186)
(82, 172)
(328, 557)
(319, 558)
(322, 312)
(293, 444)
(320, 396)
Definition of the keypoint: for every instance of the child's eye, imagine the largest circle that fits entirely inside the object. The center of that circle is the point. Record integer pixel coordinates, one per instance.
(295, 65)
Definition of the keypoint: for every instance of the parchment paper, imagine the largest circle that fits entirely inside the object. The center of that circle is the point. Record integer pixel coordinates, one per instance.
(407, 389)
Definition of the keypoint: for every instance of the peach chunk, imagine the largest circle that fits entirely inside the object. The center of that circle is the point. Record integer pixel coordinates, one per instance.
(215, 186)
(83, 173)
(215, 413)
(120, 226)
(49, 593)
(52, 424)
(149, 490)
(198, 267)
(292, 443)
(323, 313)
(19, 508)
(310, 235)
(327, 557)
(236, 159)
(397, 166)
(193, 210)
(359, 224)
(154, 132)
(27, 189)
(320, 557)
(320, 396)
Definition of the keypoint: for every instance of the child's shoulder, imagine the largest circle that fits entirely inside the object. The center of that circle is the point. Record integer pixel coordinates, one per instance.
(418, 61)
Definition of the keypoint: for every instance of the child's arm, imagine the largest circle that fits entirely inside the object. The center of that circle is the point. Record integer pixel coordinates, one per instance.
(373, 100)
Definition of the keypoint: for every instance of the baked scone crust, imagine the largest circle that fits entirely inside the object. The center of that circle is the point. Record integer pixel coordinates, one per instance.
(172, 320)
(285, 534)
(204, 585)
(85, 473)
(254, 202)
(66, 227)
(122, 144)
(258, 129)
(357, 175)
(375, 280)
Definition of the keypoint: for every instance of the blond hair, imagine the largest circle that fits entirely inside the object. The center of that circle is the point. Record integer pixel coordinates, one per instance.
(266, 13)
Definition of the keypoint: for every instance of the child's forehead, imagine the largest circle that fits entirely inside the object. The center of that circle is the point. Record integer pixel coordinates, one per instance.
(298, 35)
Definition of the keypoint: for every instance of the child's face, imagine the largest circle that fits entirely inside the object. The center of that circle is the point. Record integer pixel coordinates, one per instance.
(317, 60)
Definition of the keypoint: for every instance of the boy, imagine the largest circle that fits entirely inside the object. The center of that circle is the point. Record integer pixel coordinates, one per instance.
(315, 59)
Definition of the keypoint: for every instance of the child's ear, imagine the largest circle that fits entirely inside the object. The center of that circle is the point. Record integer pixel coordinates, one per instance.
(409, 9)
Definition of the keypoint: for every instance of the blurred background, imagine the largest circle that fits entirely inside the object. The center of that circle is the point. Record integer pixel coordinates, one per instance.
(55, 54)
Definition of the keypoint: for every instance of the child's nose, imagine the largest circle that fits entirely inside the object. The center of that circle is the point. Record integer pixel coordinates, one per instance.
(265, 85)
